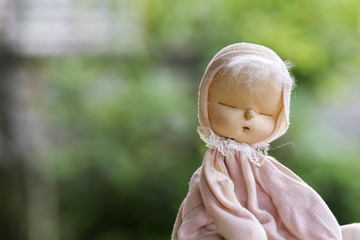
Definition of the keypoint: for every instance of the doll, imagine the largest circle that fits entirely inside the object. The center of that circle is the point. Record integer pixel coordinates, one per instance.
(240, 192)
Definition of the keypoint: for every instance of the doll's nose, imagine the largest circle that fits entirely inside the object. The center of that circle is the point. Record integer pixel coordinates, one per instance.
(249, 114)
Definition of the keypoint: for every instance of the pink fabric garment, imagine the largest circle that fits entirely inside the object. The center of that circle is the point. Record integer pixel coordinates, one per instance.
(251, 202)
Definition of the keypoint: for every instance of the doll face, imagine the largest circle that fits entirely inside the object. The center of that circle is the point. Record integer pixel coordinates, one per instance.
(247, 114)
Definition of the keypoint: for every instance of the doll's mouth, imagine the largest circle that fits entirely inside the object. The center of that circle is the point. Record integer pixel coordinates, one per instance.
(246, 128)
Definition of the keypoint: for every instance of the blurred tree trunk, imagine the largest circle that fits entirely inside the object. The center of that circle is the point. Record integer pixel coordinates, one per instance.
(28, 192)
(12, 177)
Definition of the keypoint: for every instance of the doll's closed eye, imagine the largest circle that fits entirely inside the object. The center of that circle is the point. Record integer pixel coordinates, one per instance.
(266, 114)
(227, 105)
(231, 106)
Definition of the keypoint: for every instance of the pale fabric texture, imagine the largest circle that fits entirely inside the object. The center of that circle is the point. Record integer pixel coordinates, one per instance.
(240, 192)
(231, 197)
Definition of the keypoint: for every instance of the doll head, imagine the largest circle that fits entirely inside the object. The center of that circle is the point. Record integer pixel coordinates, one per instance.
(245, 99)
(245, 94)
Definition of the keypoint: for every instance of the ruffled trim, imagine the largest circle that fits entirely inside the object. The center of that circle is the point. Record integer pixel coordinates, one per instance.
(226, 146)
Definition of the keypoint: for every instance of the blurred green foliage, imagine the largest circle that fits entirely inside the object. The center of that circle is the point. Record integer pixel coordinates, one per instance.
(124, 126)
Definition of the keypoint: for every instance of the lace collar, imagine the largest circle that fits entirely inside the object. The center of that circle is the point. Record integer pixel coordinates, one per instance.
(226, 146)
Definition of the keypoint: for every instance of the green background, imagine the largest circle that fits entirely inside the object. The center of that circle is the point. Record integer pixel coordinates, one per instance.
(122, 127)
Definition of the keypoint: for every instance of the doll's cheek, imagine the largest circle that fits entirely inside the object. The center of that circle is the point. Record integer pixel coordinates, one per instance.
(266, 126)
(216, 114)
(224, 116)
(219, 121)
(223, 123)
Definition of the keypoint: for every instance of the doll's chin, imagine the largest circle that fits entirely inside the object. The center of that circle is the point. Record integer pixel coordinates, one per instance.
(246, 137)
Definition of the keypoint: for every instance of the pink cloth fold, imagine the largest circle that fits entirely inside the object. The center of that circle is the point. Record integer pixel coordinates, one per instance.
(231, 198)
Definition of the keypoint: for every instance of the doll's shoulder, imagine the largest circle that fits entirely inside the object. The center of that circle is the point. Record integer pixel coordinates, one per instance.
(195, 179)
